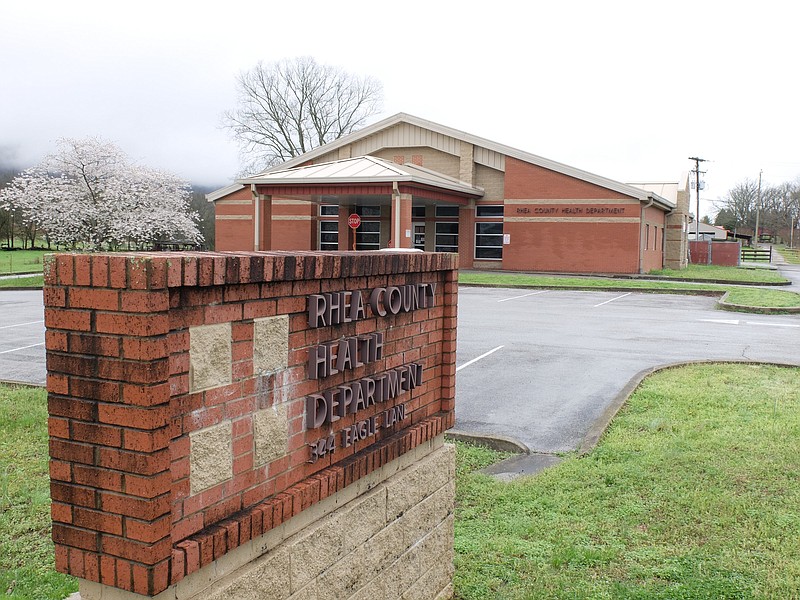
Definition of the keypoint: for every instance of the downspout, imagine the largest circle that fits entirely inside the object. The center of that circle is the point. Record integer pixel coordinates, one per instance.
(641, 234)
(396, 232)
(256, 218)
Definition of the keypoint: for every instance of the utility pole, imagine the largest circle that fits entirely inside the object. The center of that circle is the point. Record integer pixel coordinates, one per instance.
(758, 208)
(697, 162)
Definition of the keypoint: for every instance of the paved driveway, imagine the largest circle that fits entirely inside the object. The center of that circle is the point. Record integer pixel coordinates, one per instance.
(22, 336)
(560, 357)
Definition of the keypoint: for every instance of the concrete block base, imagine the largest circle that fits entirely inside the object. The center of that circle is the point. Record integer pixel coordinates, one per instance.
(390, 535)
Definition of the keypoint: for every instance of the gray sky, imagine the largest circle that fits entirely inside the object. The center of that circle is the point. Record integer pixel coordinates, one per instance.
(627, 90)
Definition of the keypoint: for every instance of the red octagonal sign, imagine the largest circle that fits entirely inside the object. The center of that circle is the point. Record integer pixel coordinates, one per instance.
(354, 221)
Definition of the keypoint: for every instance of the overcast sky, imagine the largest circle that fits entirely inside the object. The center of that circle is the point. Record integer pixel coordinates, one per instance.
(627, 90)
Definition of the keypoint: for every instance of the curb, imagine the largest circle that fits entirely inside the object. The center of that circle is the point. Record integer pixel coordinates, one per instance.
(600, 426)
(501, 443)
(762, 310)
(22, 383)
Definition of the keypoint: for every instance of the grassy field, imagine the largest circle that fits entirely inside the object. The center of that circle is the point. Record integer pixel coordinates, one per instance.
(34, 281)
(522, 279)
(763, 298)
(27, 567)
(757, 275)
(791, 256)
(692, 493)
(21, 261)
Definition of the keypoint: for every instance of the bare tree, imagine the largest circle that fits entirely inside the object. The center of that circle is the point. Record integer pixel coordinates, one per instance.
(739, 204)
(778, 207)
(289, 107)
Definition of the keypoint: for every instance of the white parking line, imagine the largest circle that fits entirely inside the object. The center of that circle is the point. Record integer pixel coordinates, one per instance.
(474, 360)
(740, 322)
(22, 348)
(617, 298)
(523, 296)
(771, 324)
(21, 324)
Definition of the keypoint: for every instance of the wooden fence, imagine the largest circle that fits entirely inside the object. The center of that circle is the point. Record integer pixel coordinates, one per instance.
(757, 254)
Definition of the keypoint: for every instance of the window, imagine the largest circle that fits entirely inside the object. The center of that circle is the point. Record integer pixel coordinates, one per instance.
(489, 240)
(368, 211)
(446, 237)
(494, 210)
(417, 212)
(446, 210)
(329, 235)
(368, 235)
(329, 210)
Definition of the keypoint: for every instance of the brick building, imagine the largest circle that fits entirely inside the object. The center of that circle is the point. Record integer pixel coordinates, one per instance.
(419, 184)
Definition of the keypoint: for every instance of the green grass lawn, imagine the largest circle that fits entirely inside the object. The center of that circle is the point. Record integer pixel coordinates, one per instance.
(34, 281)
(692, 493)
(21, 261)
(738, 274)
(764, 298)
(791, 256)
(27, 562)
(525, 280)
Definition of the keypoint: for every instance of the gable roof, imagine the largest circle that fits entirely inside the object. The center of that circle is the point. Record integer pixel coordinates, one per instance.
(604, 182)
(362, 169)
(545, 163)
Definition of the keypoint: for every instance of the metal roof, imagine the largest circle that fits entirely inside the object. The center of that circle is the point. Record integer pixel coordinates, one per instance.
(665, 189)
(361, 169)
(552, 165)
(222, 192)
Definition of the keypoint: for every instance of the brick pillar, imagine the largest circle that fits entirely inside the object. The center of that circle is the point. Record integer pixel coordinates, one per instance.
(109, 403)
(346, 234)
(466, 235)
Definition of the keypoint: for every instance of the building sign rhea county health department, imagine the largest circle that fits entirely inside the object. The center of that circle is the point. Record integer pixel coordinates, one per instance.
(325, 408)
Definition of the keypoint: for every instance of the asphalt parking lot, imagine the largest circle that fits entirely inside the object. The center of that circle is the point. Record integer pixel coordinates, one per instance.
(539, 366)
(22, 337)
(558, 358)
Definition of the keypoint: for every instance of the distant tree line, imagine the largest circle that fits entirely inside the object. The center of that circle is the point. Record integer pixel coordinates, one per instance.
(778, 209)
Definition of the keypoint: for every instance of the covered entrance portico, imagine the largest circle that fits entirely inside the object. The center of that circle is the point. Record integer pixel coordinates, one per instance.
(401, 206)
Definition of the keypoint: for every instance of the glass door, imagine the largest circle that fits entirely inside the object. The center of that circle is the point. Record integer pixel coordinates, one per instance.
(419, 236)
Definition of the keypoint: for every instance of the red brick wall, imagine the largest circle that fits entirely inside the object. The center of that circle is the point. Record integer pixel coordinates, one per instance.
(572, 247)
(524, 180)
(234, 233)
(121, 412)
(577, 242)
(292, 226)
(653, 250)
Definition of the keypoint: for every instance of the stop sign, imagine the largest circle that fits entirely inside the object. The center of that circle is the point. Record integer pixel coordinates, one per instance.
(354, 221)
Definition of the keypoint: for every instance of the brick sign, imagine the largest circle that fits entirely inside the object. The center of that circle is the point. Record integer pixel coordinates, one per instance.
(200, 400)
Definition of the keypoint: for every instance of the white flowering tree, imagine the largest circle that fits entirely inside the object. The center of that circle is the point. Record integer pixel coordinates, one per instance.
(89, 194)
